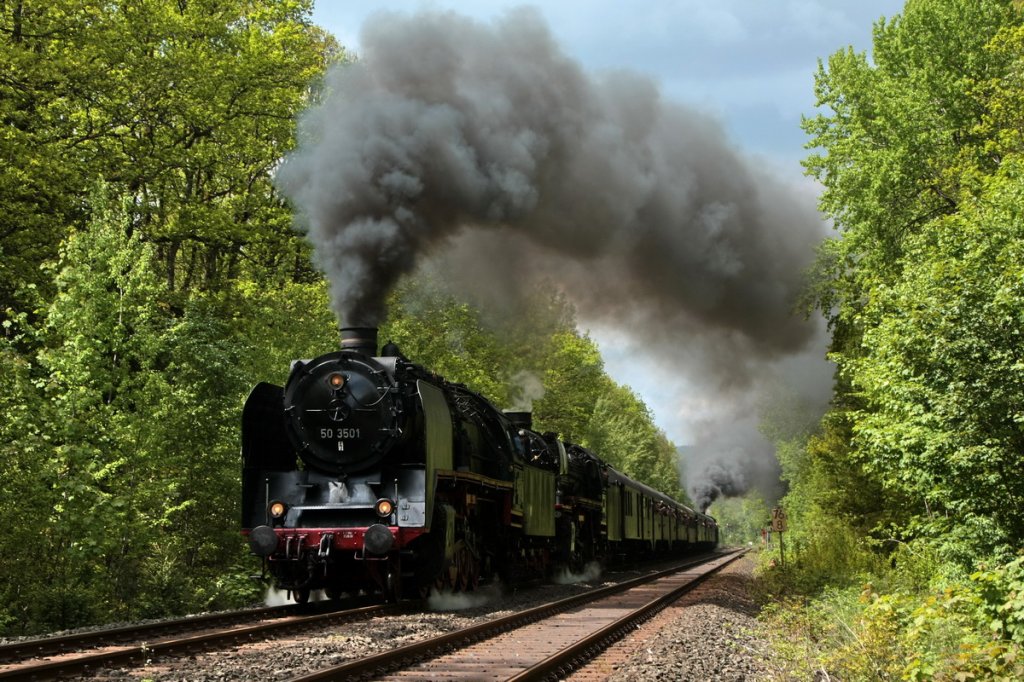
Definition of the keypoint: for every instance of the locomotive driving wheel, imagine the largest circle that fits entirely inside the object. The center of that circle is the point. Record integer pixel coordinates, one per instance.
(393, 589)
(393, 580)
(468, 570)
(444, 579)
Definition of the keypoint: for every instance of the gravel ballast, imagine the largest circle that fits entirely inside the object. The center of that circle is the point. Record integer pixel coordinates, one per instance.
(709, 634)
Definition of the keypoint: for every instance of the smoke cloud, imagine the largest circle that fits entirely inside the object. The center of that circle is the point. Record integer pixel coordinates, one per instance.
(731, 458)
(527, 386)
(483, 149)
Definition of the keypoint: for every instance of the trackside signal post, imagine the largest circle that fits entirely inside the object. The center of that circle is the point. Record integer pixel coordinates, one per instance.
(779, 526)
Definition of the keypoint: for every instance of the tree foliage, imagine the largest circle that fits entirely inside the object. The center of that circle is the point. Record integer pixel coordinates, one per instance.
(186, 107)
(914, 482)
(621, 429)
(898, 135)
(137, 315)
(942, 377)
(918, 162)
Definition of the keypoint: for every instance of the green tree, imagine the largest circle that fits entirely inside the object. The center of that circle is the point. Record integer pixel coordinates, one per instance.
(942, 377)
(920, 457)
(199, 112)
(622, 431)
(906, 149)
(435, 329)
(897, 134)
(102, 375)
(740, 519)
(184, 106)
(136, 450)
(25, 470)
(574, 380)
(38, 184)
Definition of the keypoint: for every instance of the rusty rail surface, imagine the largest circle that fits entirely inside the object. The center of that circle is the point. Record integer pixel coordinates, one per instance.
(60, 656)
(453, 655)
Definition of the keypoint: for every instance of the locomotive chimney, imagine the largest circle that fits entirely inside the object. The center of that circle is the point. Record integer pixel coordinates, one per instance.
(521, 420)
(359, 339)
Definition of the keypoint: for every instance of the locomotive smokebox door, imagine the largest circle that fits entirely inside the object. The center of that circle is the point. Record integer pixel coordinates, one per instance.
(341, 413)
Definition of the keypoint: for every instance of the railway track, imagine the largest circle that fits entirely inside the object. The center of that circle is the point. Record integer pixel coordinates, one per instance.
(545, 642)
(581, 624)
(56, 657)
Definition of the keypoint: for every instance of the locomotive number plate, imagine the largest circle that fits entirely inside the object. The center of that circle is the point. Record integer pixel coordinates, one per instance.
(328, 433)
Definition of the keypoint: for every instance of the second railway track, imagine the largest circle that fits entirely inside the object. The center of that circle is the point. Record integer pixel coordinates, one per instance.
(58, 657)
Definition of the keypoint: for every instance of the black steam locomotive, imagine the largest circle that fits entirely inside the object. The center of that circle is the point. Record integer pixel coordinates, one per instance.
(368, 472)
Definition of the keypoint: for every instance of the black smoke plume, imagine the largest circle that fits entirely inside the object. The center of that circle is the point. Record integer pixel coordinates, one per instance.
(485, 148)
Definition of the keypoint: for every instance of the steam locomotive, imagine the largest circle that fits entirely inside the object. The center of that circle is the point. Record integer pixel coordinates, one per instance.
(368, 472)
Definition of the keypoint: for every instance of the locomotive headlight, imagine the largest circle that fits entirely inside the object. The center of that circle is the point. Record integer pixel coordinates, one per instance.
(385, 507)
(336, 380)
(276, 509)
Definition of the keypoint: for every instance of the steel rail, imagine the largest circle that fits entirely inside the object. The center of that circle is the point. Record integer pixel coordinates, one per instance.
(48, 646)
(576, 655)
(146, 651)
(397, 658)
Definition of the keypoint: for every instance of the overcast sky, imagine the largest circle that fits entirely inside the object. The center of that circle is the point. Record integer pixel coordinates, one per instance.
(749, 63)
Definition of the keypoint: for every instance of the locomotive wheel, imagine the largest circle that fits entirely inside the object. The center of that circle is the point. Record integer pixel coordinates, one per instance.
(443, 581)
(462, 570)
(301, 595)
(393, 580)
(393, 590)
(469, 570)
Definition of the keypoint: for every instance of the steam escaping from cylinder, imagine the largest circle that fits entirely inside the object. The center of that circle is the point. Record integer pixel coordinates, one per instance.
(484, 150)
